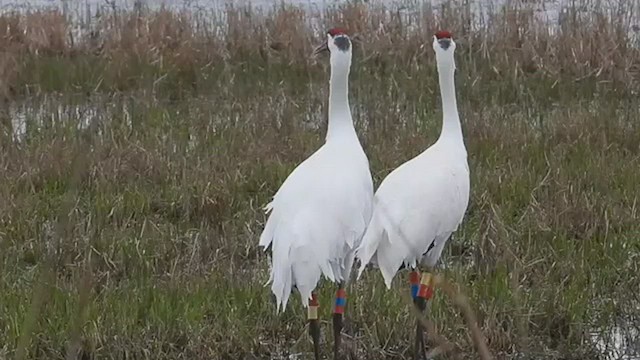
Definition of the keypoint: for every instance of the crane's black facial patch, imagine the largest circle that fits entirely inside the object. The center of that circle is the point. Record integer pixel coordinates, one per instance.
(444, 43)
(342, 43)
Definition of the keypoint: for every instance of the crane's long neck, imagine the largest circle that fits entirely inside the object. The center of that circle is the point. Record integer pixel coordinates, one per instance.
(451, 128)
(340, 121)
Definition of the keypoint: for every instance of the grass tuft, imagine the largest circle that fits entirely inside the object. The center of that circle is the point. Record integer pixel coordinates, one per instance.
(136, 157)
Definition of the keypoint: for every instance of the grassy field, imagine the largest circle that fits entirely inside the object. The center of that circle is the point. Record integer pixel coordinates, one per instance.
(130, 205)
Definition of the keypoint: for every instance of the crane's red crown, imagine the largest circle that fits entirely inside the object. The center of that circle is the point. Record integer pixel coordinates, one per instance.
(337, 31)
(443, 34)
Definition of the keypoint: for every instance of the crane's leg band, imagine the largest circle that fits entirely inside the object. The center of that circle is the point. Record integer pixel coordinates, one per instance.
(314, 324)
(338, 313)
(414, 280)
(424, 293)
(312, 310)
(341, 301)
(425, 290)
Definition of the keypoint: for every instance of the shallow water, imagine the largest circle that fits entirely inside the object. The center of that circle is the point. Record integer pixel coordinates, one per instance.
(621, 341)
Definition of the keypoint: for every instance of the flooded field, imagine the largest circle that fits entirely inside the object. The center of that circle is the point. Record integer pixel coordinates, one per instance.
(135, 169)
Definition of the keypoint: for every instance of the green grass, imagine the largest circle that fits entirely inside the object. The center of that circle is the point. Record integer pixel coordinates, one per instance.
(136, 237)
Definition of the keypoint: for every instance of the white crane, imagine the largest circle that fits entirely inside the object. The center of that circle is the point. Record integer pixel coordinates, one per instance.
(321, 211)
(419, 204)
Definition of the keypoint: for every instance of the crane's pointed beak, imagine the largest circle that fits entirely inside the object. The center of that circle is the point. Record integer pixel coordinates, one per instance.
(320, 49)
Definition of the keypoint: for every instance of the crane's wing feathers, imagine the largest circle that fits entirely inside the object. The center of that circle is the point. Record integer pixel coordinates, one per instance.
(318, 217)
(416, 208)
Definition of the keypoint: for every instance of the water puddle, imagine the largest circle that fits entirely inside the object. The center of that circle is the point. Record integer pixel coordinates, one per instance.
(621, 341)
(34, 116)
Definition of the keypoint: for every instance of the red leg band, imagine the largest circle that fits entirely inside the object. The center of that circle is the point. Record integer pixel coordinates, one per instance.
(426, 287)
(414, 277)
(341, 301)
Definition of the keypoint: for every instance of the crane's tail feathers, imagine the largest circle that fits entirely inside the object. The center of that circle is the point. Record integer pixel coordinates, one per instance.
(369, 245)
(360, 271)
(269, 232)
(390, 257)
(299, 259)
(388, 277)
(328, 271)
(364, 260)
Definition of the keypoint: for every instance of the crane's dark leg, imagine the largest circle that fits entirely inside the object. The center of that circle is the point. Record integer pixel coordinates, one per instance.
(314, 324)
(424, 294)
(414, 280)
(338, 313)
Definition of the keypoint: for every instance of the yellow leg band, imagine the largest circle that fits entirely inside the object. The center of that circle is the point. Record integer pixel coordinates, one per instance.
(312, 313)
(426, 279)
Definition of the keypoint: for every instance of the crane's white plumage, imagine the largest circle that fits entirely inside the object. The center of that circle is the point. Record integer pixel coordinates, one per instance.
(321, 211)
(419, 204)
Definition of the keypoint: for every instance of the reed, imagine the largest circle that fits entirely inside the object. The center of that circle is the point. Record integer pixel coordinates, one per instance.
(136, 157)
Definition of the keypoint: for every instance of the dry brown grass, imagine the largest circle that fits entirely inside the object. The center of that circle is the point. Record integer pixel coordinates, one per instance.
(199, 121)
(513, 42)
